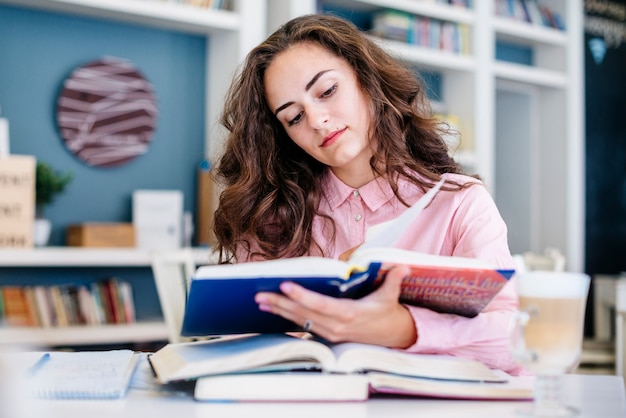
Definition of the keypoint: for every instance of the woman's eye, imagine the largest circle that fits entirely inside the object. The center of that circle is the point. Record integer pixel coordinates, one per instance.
(295, 120)
(330, 91)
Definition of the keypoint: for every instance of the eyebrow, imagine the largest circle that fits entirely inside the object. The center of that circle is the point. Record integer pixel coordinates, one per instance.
(306, 88)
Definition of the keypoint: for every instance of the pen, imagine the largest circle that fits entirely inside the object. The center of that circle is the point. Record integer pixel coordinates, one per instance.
(39, 364)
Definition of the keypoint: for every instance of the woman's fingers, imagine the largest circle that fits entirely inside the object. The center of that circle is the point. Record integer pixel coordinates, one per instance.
(370, 319)
(391, 287)
(298, 304)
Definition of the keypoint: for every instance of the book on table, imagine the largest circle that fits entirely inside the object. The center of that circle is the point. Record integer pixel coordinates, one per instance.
(221, 297)
(282, 367)
(81, 374)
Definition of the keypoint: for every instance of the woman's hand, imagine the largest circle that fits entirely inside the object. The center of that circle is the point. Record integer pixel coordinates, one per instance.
(375, 319)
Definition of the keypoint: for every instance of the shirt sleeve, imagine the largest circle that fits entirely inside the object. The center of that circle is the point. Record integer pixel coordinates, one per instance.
(477, 231)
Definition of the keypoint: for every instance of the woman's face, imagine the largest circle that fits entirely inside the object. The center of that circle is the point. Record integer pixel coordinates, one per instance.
(316, 97)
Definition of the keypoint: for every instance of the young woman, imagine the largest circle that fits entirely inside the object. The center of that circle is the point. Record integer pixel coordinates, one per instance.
(327, 136)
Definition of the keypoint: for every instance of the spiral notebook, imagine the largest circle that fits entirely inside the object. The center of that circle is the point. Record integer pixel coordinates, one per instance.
(82, 374)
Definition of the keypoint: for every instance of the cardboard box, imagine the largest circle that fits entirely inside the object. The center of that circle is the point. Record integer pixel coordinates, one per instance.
(207, 197)
(17, 201)
(101, 235)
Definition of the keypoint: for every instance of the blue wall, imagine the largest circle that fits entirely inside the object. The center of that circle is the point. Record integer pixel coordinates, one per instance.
(39, 50)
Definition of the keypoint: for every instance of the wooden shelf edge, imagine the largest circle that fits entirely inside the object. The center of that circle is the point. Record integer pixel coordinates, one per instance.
(172, 16)
(84, 335)
(428, 57)
(530, 75)
(87, 257)
(449, 13)
(524, 32)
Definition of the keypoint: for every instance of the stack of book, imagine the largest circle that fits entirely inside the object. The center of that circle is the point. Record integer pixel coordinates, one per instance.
(280, 367)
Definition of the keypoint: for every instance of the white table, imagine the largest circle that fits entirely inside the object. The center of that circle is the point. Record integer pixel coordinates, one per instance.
(596, 396)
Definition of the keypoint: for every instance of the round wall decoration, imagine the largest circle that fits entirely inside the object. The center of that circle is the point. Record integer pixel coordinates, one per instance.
(107, 112)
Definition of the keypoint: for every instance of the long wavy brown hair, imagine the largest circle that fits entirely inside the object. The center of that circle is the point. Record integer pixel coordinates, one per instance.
(271, 187)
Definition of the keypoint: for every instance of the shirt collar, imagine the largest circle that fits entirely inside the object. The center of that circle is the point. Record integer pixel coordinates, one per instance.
(375, 193)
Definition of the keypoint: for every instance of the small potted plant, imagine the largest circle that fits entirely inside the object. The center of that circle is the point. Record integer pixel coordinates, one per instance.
(48, 184)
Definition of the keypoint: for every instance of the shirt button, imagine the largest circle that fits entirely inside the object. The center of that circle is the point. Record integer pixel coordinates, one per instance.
(357, 218)
(355, 193)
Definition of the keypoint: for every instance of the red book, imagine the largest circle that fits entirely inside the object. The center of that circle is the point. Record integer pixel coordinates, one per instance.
(16, 311)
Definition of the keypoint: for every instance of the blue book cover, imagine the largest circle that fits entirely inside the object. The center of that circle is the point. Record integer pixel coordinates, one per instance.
(225, 305)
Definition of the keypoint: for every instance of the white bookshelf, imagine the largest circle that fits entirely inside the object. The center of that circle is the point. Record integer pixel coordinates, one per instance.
(71, 257)
(230, 35)
(86, 257)
(523, 124)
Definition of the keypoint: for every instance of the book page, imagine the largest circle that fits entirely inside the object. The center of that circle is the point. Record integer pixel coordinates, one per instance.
(288, 267)
(356, 357)
(401, 256)
(386, 234)
(250, 353)
(510, 389)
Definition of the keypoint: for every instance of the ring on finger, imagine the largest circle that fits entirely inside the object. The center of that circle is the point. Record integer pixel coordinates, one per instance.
(308, 325)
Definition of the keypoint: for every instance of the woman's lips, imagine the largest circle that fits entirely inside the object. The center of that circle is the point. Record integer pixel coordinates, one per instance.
(334, 136)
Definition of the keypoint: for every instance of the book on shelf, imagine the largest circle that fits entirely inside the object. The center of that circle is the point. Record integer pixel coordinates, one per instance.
(422, 31)
(283, 367)
(108, 301)
(15, 306)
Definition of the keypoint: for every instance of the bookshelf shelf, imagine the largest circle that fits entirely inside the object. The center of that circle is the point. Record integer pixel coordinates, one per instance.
(429, 58)
(86, 335)
(85, 257)
(530, 75)
(423, 8)
(156, 14)
(528, 34)
(70, 257)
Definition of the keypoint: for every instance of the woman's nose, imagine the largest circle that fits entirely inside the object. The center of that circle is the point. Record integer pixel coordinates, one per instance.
(317, 116)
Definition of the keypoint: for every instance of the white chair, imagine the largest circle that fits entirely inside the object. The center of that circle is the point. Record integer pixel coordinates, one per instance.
(172, 271)
(620, 327)
(551, 259)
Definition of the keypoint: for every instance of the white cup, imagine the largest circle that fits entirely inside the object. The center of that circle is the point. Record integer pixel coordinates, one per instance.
(548, 333)
(551, 320)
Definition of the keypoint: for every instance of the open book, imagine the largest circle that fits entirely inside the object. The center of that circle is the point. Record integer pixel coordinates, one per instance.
(313, 369)
(221, 297)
